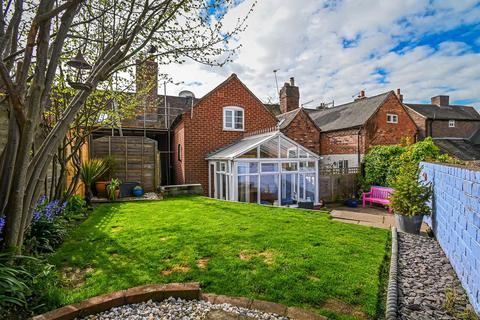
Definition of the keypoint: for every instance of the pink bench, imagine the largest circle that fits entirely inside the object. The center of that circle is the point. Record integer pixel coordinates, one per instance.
(378, 195)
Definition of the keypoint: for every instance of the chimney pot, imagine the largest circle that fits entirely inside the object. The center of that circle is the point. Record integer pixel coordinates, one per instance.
(399, 95)
(292, 81)
(441, 100)
(362, 94)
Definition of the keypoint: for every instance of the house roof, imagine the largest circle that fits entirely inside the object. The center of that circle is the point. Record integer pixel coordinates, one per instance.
(463, 149)
(273, 108)
(286, 118)
(239, 147)
(349, 115)
(451, 112)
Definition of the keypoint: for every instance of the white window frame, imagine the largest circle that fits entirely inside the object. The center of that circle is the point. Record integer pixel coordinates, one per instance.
(392, 118)
(233, 110)
(451, 123)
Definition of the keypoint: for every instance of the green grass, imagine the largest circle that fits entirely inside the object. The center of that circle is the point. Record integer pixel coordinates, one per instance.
(295, 257)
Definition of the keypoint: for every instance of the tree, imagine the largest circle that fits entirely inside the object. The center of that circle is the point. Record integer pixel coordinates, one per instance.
(37, 37)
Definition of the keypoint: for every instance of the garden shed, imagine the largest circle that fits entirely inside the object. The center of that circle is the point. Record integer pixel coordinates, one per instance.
(267, 168)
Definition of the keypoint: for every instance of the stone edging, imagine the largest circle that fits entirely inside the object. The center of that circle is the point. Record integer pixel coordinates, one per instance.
(391, 309)
(159, 292)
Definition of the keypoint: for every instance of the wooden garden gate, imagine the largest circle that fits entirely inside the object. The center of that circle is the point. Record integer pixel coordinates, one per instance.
(138, 158)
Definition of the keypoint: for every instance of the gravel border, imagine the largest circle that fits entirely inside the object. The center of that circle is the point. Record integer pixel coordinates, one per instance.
(391, 309)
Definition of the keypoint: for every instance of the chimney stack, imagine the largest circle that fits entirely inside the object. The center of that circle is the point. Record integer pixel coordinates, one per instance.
(399, 95)
(361, 95)
(289, 96)
(146, 81)
(441, 100)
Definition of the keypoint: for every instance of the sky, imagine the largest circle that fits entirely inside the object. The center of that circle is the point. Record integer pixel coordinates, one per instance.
(334, 49)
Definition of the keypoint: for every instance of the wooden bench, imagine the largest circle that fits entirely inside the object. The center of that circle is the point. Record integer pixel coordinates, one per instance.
(380, 195)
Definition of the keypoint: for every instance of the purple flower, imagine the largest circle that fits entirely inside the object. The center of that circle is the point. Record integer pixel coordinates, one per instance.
(2, 224)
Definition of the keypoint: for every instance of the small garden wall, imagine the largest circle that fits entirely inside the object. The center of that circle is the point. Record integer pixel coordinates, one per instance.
(456, 221)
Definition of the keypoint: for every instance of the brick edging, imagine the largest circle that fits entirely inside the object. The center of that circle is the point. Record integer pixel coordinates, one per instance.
(391, 309)
(159, 292)
(265, 306)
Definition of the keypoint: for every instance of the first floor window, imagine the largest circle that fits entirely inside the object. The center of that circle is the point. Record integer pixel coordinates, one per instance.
(451, 124)
(179, 152)
(392, 118)
(233, 118)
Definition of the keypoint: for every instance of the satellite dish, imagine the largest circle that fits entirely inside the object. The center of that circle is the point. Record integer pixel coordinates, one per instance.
(186, 94)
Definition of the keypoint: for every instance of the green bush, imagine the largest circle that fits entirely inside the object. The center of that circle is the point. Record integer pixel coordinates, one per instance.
(411, 196)
(382, 164)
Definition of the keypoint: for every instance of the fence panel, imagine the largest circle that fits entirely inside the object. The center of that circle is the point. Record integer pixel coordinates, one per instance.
(136, 157)
(336, 184)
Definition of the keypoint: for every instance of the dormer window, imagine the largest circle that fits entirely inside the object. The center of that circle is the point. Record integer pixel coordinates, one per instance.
(233, 119)
(392, 118)
(451, 123)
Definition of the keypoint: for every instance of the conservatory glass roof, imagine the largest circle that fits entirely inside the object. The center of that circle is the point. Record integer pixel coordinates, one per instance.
(246, 144)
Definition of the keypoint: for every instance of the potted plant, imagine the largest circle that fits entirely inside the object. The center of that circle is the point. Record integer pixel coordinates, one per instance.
(137, 191)
(101, 184)
(113, 189)
(410, 199)
(90, 171)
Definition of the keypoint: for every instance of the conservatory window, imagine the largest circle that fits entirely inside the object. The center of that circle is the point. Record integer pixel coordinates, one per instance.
(247, 167)
(233, 119)
(269, 167)
(303, 154)
(269, 149)
(307, 166)
(253, 153)
(289, 166)
(288, 149)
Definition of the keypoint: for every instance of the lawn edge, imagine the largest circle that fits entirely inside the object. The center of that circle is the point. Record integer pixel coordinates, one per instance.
(160, 292)
(391, 308)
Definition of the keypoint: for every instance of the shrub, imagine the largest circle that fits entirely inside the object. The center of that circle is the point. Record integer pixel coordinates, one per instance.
(76, 208)
(47, 229)
(382, 164)
(112, 187)
(411, 196)
(13, 287)
(110, 168)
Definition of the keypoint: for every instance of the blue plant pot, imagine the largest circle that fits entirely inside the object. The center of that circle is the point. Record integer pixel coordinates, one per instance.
(352, 203)
(137, 193)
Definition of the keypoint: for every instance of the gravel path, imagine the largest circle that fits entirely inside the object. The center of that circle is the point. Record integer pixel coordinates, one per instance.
(427, 285)
(177, 309)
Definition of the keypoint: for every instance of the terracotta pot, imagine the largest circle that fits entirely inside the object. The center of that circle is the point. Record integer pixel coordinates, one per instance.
(101, 187)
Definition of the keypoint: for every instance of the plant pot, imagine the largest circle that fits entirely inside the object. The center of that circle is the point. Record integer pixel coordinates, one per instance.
(117, 195)
(409, 224)
(137, 192)
(101, 187)
(351, 203)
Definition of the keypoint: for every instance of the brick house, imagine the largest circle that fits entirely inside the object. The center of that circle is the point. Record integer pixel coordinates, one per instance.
(202, 130)
(341, 135)
(455, 129)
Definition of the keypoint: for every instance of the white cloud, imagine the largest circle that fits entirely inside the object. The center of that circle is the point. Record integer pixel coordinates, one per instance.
(304, 39)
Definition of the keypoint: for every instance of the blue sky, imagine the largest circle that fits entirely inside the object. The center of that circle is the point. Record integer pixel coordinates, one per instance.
(334, 49)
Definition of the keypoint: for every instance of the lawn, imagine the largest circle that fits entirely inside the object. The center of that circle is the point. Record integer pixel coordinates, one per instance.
(295, 257)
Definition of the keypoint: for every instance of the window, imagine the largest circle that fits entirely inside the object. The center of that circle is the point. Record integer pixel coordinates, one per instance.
(392, 118)
(233, 119)
(179, 152)
(451, 123)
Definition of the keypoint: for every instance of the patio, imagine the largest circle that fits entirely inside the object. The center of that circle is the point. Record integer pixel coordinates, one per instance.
(375, 216)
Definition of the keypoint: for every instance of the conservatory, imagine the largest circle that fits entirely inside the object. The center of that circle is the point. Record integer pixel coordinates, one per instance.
(267, 168)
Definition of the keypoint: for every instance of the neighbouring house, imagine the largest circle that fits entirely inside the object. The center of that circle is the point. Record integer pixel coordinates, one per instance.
(455, 129)
(348, 130)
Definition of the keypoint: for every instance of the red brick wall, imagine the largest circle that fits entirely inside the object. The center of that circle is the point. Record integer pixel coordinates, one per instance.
(204, 131)
(379, 132)
(341, 142)
(303, 131)
(178, 165)
(462, 129)
(420, 122)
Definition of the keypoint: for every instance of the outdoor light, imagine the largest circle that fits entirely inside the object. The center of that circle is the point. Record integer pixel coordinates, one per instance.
(79, 63)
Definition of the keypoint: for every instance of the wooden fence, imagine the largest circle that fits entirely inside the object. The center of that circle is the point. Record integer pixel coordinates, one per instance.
(137, 158)
(337, 184)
